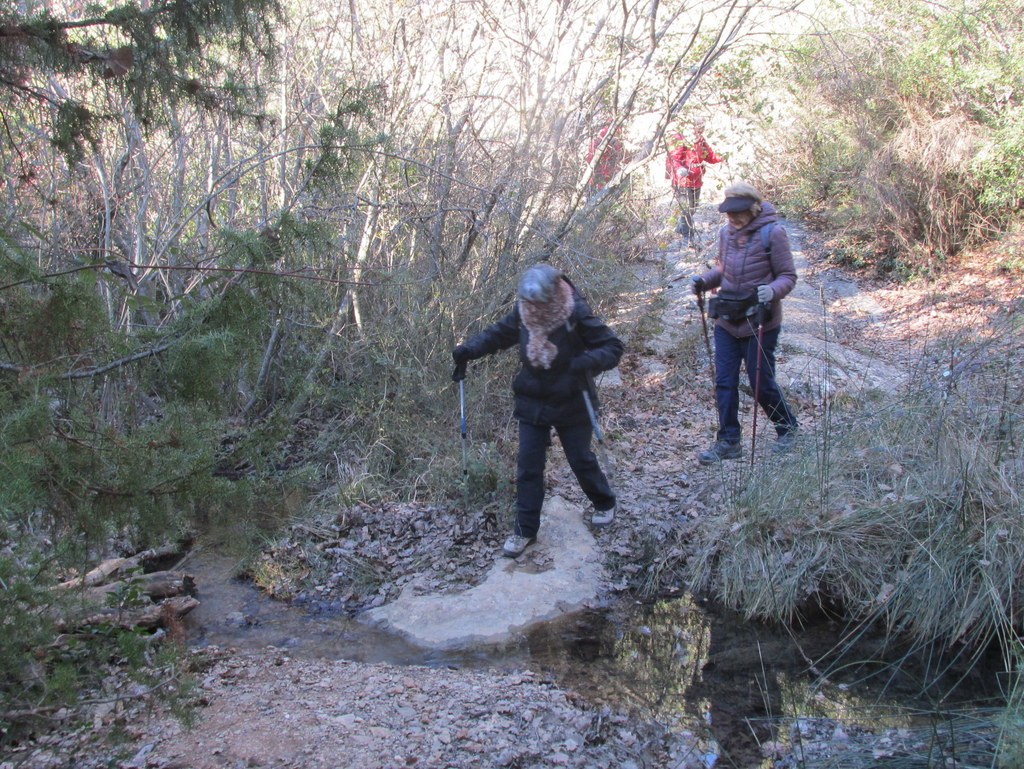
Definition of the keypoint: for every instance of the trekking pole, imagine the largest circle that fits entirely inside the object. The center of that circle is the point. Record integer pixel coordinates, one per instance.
(462, 429)
(592, 413)
(707, 339)
(761, 311)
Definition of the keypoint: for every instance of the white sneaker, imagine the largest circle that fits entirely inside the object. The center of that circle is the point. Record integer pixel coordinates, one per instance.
(515, 545)
(602, 518)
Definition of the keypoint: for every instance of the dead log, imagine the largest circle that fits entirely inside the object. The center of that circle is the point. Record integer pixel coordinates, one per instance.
(113, 566)
(148, 617)
(157, 585)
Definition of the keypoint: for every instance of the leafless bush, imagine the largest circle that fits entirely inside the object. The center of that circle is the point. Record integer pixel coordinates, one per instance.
(918, 189)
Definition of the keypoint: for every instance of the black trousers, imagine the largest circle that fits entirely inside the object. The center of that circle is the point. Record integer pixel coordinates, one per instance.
(534, 441)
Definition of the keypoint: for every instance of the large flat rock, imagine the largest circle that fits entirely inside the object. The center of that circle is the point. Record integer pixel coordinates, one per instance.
(560, 573)
(813, 357)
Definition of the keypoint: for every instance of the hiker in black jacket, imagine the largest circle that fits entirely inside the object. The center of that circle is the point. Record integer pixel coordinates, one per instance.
(561, 342)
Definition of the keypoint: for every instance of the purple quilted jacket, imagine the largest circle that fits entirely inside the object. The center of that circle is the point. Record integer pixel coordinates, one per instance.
(743, 265)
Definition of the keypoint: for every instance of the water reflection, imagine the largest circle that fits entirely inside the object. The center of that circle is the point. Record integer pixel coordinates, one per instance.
(710, 673)
(735, 681)
(644, 657)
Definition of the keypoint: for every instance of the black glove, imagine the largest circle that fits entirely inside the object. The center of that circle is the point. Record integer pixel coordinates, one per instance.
(581, 364)
(461, 356)
(697, 284)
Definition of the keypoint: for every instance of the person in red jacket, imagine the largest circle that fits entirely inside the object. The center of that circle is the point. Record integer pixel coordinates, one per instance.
(684, 166)
(610, 159)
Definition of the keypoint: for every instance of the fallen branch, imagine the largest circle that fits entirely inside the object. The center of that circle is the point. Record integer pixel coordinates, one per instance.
(147, 617)
(113, 566)
(48, 711)
(157, 585)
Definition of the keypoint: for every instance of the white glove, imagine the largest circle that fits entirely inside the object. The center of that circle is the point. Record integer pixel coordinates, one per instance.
(765, 294)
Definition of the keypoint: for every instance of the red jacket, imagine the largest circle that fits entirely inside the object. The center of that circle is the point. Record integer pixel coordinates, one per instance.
(684, 164)
(608, 164)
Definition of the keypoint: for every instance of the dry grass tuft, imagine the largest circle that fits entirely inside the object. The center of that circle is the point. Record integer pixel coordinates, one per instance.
(918, 192)
(906, 516)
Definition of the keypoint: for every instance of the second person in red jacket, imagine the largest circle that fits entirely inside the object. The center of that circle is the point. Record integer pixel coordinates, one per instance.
(684, 167)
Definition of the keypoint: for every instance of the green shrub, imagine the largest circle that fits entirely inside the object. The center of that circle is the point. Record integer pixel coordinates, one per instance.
(909, 137)
(1001, 165)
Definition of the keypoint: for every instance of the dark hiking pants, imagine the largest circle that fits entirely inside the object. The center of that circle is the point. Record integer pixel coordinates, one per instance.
(687, 198)
(534, 441)
(730, 352)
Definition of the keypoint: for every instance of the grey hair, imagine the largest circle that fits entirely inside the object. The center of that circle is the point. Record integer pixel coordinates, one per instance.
(539, 283)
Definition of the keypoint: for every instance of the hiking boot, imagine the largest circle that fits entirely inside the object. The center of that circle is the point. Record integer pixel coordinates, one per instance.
(719, 451)
(602, 518)
(515, 545)
(785, 443)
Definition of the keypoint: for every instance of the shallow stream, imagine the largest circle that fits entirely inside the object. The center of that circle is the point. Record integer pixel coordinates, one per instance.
(656, 661)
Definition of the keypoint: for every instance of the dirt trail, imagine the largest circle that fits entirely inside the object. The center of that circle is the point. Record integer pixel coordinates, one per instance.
(270, 710)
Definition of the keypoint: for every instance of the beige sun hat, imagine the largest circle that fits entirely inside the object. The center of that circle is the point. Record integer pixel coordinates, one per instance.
(740, 197)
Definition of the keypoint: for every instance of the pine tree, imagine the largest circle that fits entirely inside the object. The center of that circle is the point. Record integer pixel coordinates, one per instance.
(178, 51)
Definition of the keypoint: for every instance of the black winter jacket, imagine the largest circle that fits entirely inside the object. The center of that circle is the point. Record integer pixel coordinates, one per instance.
(553, 396)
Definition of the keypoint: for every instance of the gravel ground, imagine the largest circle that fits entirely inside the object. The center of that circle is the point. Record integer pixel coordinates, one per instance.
(270, 710)
(293, 713)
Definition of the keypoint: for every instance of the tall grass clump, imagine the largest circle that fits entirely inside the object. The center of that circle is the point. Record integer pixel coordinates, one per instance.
(1010, 749)
(907, 517)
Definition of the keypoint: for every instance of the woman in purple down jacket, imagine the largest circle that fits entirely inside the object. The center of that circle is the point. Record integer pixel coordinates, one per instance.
(755, 260)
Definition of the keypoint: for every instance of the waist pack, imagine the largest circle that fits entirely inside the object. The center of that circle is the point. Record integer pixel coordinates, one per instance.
(732, 305)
